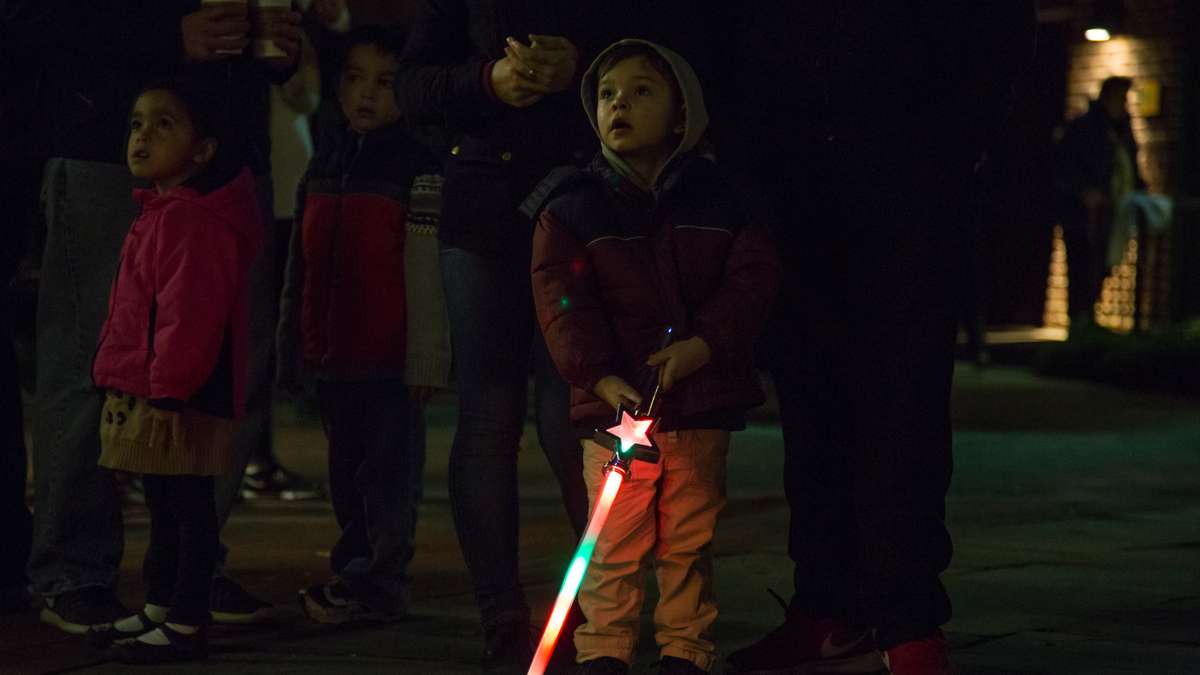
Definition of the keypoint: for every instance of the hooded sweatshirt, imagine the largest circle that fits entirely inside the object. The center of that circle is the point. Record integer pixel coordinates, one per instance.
(616, 261)
(695, 123)
(176, 326)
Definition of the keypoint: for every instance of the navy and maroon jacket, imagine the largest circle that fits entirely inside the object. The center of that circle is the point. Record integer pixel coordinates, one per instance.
(614, 265)
(347, 256)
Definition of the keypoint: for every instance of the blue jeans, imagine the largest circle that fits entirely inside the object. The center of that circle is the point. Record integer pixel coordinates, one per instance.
(376, 460)
(495, 341)
(78, 537)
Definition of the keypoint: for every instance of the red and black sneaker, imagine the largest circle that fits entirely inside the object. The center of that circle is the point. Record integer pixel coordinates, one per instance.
(926, 656)
(803, 645)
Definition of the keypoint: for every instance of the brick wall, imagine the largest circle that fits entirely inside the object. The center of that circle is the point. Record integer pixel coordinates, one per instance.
(1150, 43)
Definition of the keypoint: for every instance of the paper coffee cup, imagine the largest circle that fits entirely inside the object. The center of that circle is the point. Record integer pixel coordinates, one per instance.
(219, 3)
(262, 14)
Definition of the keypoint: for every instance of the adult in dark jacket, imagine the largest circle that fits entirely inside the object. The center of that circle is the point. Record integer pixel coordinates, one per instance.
(866, 123)
(512, 108)
(1096, 166)
(98, 57)
(19, 40)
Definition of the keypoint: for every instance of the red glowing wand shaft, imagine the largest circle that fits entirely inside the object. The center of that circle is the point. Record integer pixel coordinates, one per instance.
(629, 439)
(579, 564)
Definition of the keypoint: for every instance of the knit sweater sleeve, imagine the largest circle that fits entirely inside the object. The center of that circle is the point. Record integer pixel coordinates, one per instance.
(427, 358)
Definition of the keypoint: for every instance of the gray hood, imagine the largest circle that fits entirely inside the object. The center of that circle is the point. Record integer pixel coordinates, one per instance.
(696, 114)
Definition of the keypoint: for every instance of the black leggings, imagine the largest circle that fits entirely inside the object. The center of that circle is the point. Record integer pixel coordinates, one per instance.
(183, 545)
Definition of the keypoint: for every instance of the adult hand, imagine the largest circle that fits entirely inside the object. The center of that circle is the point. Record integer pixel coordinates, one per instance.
(420, 394)
(513, 86)
(549, 60)
(284, 30)
(215, 32)
(615, 391)
(679, 360)
(328, 11)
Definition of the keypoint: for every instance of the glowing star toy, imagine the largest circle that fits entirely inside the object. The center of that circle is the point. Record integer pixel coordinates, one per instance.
(629, 439)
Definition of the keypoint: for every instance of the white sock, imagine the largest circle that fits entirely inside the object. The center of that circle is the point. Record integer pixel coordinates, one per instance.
(183, 628)
(156, 638)
(130, 624)
(134, 624)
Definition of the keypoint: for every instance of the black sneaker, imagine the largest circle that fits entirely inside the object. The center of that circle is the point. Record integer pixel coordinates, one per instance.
(180, 647)
(274, 482)
(230, 603)
(335, 603)
(508, 647)
(605, 665)
(76, 611)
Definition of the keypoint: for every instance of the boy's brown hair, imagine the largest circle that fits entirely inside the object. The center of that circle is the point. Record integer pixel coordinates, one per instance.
(656, 61)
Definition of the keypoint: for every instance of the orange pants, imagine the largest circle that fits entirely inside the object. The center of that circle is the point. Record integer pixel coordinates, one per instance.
(669, 509)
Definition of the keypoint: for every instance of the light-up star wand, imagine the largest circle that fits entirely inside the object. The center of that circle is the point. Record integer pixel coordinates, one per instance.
(629, 439)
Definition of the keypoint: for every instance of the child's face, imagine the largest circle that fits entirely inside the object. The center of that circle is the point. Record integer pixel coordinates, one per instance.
(365, 89)
(636, 110)
(163, 146)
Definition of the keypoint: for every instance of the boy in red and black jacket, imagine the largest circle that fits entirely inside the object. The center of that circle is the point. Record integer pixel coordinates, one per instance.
(363, 311)
(652, 234)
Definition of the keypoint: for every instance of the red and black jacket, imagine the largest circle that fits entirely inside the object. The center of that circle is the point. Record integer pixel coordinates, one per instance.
(613, 266)
(348, 254)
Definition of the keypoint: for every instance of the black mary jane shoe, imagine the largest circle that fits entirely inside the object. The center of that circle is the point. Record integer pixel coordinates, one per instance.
(180, 647)
(100, 639)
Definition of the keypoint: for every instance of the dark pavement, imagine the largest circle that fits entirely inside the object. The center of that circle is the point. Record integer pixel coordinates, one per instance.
(1075, 510)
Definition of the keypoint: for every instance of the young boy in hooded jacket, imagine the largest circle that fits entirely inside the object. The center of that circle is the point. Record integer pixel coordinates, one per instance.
(653, 234)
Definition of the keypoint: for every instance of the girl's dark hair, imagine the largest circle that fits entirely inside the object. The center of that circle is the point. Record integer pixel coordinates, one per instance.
(209, 119)
(384, 38)
(656, 61)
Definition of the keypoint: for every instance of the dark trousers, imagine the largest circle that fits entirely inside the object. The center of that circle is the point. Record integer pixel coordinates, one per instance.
(862, 356)
(1087, 250)
(183, 545)
(15, 520)
(376, 460)
(494, 338)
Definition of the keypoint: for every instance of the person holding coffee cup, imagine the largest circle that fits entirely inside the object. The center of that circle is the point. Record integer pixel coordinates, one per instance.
(224, 28)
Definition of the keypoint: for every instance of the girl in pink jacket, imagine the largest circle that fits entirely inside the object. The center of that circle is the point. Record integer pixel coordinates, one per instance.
(172, 359)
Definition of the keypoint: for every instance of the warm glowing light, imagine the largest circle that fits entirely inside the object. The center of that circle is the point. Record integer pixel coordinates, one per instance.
(579, 564)
(631, 431)
(1097, 35)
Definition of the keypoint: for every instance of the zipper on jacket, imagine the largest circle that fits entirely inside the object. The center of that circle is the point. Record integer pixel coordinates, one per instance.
(333, 257)
(150, 327)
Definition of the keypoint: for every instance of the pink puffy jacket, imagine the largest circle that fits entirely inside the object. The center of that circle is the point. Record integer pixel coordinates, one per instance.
(177, 309)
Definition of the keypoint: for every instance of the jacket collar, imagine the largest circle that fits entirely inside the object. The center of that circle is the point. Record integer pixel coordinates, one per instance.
(668, 181)
(150, 197)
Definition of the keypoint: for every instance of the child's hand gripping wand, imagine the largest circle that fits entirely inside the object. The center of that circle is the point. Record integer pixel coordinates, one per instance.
(629, 439)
